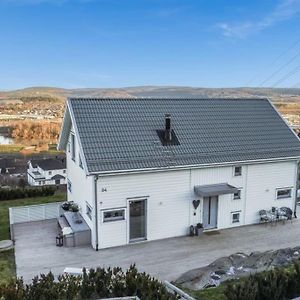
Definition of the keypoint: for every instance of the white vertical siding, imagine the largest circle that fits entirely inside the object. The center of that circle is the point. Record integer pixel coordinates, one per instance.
(82, 188)
(262, 182)
(170, 194)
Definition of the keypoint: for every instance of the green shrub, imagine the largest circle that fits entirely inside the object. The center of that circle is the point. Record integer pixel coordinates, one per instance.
(95, 284)
(276, 284)
(17, 193)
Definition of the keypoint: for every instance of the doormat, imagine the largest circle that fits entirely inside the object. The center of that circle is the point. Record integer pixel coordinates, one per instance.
(213, 232)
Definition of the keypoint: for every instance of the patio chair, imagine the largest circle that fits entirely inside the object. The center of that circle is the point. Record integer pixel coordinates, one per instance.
(263, 216)
(288, 213)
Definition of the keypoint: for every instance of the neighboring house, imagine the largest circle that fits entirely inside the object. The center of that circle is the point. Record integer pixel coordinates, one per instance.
(46, 172)
(147, 169)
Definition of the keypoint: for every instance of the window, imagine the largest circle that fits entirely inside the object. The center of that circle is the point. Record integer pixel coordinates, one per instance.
(237, 171)
(69, 184)
(40, 183)
(69, 147)
(64, 171)
(89, 211)
(73, 146)
(283, 193)
(80, 162)
(235, 217)
(114, 215)
(237, 195)
(50, 172)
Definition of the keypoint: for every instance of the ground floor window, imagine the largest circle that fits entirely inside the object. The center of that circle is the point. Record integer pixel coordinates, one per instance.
(89, 211)
(283, 193)
(114, 215)
(237, 195)
(235, 217)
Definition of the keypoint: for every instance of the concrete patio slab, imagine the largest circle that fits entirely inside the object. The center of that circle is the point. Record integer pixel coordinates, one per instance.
(167, 259)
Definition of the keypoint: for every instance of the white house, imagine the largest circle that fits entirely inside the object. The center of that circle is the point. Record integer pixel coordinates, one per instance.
(147, 169)
(50, 171)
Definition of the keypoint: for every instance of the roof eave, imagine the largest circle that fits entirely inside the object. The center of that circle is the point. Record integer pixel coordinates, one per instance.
(197, 166)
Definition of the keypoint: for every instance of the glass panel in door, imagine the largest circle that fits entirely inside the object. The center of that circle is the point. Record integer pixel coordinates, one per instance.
(137, 220)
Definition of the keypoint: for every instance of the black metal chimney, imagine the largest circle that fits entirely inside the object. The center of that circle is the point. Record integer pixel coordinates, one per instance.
(168, 131)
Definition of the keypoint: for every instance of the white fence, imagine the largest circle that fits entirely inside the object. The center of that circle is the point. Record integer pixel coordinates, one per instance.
(30, 213)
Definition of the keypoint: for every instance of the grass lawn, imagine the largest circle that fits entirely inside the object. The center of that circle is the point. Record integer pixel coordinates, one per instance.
(7, 258)
(208, 294)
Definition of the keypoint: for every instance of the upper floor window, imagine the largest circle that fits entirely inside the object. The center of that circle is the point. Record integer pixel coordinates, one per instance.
(64, 171)
(73, 146)
(237, 171)
(80, 162)
(69, 185)
(50, 172)
(283, 193)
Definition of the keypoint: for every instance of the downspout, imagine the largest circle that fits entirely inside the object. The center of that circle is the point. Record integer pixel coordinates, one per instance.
(96, 211)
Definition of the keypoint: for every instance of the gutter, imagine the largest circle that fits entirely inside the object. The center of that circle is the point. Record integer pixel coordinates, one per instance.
(197, 166)
(96, 211)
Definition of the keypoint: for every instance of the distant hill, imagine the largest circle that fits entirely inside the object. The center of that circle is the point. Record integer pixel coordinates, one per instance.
(60, 94)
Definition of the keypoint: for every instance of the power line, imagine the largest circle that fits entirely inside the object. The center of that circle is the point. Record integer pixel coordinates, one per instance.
(275, 60)
(286, 76)
(280, 69)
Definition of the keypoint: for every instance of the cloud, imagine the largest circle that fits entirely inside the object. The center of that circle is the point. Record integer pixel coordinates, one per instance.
(285, 10)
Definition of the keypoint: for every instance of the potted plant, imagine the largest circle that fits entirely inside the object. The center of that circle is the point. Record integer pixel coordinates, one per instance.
(199, 229)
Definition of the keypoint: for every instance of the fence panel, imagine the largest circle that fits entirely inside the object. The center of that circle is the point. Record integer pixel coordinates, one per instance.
(22, 214)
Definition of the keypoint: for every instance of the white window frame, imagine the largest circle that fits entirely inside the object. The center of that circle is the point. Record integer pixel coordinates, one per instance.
(233, 213)
(290, 189)
(234, 173)
(89, 211)
(240, 195)
(113, 219)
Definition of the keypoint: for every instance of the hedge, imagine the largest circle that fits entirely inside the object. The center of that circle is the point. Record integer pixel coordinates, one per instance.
(277, 284)
(95, 284)
(17, 193)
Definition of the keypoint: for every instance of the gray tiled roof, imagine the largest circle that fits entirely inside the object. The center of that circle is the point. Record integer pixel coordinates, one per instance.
(120, 134)
(49, 163)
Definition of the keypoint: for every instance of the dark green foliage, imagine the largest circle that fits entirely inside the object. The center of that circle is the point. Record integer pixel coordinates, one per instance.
(95, 284)
(276, 284)
(17, 193)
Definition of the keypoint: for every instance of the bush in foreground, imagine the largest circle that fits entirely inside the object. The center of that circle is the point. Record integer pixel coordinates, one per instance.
(276, 284)
(95, 284)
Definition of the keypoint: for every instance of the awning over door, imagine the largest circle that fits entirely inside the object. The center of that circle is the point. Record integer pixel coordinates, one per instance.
(214, 189)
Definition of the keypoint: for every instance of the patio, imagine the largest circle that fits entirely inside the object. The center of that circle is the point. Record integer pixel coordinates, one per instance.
(36, 252)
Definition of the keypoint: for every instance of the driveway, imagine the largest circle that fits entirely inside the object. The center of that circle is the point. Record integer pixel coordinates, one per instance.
(167, 259)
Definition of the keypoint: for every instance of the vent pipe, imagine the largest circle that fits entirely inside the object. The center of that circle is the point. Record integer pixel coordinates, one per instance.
(168, 131)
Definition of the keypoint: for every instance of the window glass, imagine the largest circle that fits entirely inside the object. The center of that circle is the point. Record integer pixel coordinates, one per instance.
(238, 171)
(80, 162)
(89, 211)
(235, 217)
(73, 146)
(50, 172)
(114, 215)
(69, 184)
(237, 195)
(284, 193)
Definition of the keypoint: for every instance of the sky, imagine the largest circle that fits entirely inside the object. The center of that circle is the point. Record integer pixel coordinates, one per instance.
(120, 43)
